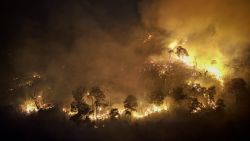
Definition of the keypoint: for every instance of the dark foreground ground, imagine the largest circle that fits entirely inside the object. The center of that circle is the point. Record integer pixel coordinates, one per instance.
(53, 125)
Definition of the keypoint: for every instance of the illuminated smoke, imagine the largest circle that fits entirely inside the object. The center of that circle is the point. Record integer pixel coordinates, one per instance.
(216, 33)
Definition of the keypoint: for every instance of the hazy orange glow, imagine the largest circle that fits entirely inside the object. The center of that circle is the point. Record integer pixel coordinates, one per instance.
(213, 65)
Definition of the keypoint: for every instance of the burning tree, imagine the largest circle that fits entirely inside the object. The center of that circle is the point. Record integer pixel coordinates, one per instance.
(98, 98)
(130, 104)
(157, 97)
(79, 106)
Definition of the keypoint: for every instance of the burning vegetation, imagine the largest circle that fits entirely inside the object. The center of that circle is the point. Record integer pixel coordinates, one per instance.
(176, 82)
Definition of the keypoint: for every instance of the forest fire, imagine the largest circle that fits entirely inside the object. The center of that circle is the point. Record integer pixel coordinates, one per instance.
(125, 70)
(105, 114)
(213, 67)
(91, 104)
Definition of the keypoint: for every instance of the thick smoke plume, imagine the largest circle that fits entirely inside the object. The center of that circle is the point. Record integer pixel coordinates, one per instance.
(83, 45)
(90, 44)
(210, 30)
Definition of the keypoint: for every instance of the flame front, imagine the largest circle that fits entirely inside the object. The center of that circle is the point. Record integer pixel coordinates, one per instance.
(103, 114)
(150, 110)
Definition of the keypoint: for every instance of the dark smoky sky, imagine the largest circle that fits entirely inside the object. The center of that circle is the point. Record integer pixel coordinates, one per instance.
(100, 42)
(72, 43)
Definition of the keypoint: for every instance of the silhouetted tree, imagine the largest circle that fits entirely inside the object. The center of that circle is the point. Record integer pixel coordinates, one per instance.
(83, 112)
(83, 108)
(130, 104)
(238, 87)
(78, 105)
(99, 96)
(157, 97)
(78, 94)
(220, 106)
(180, 51)
(114, 113)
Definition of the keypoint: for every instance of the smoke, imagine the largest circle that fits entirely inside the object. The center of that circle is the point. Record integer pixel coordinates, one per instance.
(102, 43)
(89, 43)
(210, 30)
(84, 44)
